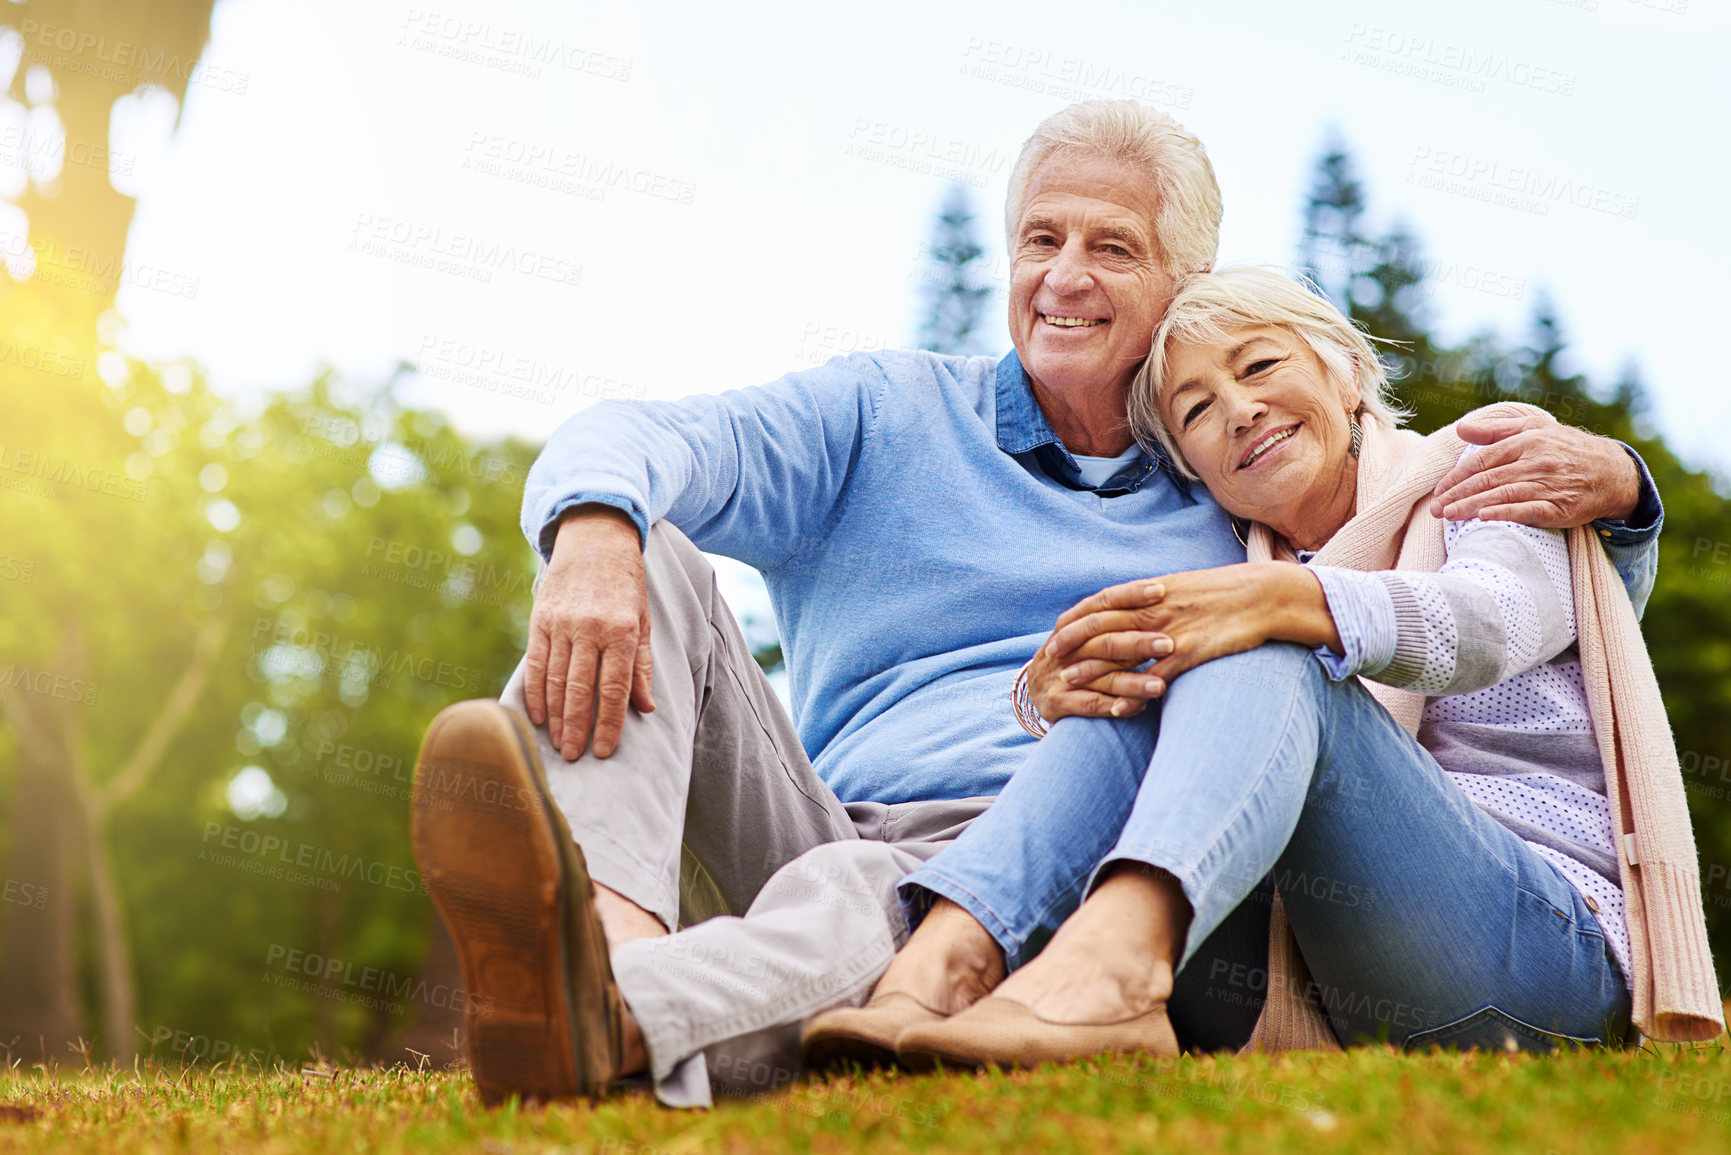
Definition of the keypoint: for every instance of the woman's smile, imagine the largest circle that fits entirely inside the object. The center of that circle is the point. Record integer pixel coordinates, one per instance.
(1268, 444)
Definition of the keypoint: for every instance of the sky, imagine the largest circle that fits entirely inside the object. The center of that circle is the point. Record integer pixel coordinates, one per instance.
(542, 204)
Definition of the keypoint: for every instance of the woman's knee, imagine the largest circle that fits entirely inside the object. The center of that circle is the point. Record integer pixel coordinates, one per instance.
(1279, 667)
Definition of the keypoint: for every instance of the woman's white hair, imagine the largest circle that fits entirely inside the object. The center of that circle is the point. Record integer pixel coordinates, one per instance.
(1208, 304)
(1187, 219)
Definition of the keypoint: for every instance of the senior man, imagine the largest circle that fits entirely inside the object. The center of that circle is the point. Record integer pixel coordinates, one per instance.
(657, 871)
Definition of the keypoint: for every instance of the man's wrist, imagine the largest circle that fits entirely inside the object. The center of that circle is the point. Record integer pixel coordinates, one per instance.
(590, 518)
(1631, 487)
(1641, 523)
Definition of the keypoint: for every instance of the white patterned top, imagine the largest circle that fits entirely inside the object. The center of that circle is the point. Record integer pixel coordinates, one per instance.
(1490, 638)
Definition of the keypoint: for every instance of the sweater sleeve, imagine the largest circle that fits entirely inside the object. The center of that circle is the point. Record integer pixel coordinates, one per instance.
(1501, 604)
(753, 473)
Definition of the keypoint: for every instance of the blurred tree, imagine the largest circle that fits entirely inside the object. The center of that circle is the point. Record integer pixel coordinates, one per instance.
(76, 60)
(1331, 249)
(79, 58)
(951, 291)
(303, 588)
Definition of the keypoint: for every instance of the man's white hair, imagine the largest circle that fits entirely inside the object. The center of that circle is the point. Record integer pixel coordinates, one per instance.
(1208, 304)
(1187, 219)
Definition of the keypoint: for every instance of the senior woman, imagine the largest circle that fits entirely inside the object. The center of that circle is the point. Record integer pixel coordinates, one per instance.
(1489, 847)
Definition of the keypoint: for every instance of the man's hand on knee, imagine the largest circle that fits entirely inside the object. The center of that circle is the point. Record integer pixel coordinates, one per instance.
(589, 657)
(1539, 472)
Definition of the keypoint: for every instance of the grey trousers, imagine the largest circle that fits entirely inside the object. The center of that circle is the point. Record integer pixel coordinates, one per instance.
(710, 816)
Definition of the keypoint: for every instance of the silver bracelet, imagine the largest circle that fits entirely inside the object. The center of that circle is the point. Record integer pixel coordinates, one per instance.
(1022, 702)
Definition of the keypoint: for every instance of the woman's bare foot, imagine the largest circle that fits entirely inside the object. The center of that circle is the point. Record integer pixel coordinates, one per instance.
(948, 964)
(1113, 959)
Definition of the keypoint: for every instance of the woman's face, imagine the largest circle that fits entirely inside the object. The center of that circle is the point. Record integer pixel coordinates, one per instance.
(1261, 423)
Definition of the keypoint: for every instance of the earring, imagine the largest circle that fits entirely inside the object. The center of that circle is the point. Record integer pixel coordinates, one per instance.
(1356, 432)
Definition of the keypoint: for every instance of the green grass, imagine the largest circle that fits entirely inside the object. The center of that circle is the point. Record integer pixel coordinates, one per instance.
(1666, 1101)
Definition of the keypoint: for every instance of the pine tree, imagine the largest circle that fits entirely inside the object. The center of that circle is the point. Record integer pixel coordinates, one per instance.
(1543, 381)
(1378, 283)
(1332, 250)
(952, 294)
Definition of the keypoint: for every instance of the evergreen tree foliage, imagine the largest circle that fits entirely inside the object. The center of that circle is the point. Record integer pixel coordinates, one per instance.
(952, 292)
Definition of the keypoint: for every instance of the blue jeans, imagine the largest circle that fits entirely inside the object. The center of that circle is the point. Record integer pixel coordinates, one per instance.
(1422, 920)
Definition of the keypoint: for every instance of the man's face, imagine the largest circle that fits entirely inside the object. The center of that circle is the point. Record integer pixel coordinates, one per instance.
(1086, 285)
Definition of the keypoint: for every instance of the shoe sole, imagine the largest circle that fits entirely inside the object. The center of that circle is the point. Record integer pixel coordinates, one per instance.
(838, 1051)
(924, 1061)
(1006, 1053)
(489, 859)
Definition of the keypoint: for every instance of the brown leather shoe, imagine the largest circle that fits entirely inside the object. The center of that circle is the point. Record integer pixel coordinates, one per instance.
(543, 1017)
(1004, 1032)
(864, 1035)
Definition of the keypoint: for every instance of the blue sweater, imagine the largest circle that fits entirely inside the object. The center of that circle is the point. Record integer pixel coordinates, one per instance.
(916, 544)
(919, 526)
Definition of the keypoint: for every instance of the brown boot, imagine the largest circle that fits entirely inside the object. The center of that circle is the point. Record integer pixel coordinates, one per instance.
(864, 1035)
(543, 1017)
(1005, 1033)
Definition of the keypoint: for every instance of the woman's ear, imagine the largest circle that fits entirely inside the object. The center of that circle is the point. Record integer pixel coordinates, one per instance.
(1351, 392)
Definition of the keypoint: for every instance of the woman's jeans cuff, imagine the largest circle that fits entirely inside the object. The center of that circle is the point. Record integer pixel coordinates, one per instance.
(919, 888)
(1205, 918)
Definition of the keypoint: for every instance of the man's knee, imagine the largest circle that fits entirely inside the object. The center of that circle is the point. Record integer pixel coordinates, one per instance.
(669, 552)
(680, 578)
